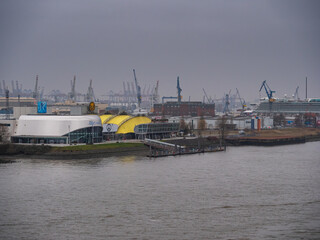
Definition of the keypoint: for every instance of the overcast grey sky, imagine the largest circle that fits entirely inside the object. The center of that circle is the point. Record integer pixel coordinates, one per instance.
(216, 45)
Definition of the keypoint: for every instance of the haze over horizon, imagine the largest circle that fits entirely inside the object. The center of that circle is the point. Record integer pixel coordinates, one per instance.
(217, 45)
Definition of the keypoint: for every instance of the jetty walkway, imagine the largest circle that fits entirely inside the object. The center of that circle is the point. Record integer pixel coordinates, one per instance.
(163, 149)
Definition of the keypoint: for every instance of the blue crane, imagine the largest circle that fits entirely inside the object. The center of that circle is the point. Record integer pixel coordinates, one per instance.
(268, 91)
(179, 97)
(179, 90)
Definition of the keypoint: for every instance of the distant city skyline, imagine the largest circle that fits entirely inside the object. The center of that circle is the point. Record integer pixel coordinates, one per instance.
(216, 45)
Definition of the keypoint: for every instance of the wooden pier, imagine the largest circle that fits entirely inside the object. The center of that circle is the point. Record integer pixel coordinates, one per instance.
(163, 149)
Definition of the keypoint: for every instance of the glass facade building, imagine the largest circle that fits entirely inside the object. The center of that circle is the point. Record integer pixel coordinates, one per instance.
(84, 135)
(156, 130)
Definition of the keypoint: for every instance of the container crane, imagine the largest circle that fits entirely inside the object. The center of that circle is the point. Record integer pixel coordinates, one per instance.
(124, 89)
(155, 96)
(4, 86)
(17, 88)
(268, 91)
(138, 88)
(73, 89)
(13, 89)
(128, 87)
(90, 94)
(35, 93)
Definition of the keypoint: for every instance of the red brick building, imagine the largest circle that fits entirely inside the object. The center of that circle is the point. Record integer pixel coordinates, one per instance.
(185, 109)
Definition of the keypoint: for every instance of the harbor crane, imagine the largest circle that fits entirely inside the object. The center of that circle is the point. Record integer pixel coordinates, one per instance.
(90, 94)
(73, 89)
(128, 88)
(17, 88)
(124, 89)
(227, 103)
(4, 85)
(296, 95)
(242, 101)
(209, 99)
(35, 93)
(268, 91)
(138, 88)
(16, 91)
(155, 95)
(179, 90)
(12, 86)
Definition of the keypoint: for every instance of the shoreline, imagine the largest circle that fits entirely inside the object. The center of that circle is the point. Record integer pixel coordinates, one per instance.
(10, 152)
(15, 151)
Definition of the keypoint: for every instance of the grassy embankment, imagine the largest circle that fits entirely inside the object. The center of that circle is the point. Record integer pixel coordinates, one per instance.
(41, 150)
(288, 132)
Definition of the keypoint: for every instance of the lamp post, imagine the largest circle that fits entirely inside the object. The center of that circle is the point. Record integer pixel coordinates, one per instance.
(69, 135)
(92, 133)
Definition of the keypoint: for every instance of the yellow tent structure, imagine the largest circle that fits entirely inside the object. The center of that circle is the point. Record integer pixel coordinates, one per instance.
(105, 118)
(129, 125)
(118, 120)
(126, 123)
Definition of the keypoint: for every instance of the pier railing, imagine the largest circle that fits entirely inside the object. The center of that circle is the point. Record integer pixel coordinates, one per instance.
(162, 145)
(162, 149)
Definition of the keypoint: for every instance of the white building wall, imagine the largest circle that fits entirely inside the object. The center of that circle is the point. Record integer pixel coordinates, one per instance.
(110, 128)
(51, 125)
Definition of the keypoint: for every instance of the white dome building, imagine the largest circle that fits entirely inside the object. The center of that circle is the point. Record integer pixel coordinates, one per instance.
(50, 129)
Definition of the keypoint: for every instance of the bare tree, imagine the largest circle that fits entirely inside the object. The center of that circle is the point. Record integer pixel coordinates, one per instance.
(279, 120)
(310, 119)
(223, 130)
(184, 126)
(298, 120)
(4, 133)
(201, 125)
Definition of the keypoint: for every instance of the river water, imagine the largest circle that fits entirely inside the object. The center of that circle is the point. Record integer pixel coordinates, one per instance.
(243, 193)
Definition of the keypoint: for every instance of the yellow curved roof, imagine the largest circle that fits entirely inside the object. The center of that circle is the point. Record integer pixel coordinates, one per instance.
(105, 118)
(128, 126)
(118, 119)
